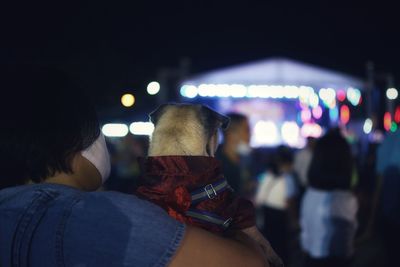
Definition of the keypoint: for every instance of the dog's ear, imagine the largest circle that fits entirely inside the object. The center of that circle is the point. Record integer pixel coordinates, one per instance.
(155, 115)
(213, 120)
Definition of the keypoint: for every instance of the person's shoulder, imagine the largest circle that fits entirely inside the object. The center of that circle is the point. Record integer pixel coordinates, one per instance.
(99, 228)
(127, 208)
(130, 231)
(20, 196)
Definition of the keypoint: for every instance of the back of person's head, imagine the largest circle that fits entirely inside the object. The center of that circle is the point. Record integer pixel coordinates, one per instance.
(331, 167)
(46, 119)
(238, 130)
(236, 119)
(282, 156)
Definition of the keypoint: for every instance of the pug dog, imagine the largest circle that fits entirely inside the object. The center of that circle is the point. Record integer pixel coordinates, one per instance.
(181, 167)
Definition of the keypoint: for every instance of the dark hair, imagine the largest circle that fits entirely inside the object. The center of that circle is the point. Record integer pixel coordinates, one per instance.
(332, 163)
(235, 120)
(46, 119)
(282, 155)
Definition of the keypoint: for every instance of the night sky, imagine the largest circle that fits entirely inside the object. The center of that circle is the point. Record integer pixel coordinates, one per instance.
(114, 47)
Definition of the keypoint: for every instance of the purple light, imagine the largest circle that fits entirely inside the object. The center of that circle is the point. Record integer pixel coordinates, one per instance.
(317, 112)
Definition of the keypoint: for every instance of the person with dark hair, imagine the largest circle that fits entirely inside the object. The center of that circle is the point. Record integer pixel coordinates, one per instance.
(276, 198)
(329, 208)
(387, 197)
(47, 123)
(53, 158)
(234, 151)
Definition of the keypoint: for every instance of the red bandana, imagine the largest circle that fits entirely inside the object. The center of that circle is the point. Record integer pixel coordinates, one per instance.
(168, 180)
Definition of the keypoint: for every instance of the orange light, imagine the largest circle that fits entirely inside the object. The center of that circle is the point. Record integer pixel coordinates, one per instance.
(387, 121)
(344, 114)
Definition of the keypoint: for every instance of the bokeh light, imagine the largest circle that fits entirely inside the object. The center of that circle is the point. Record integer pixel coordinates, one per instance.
(393, 127)
(367, 128)
(127, 100)
(153, 88)
(397, 114)
(387, 121)
(115, 130)
(290, 133)
(344, 114)
(141, 128)
(392, 93)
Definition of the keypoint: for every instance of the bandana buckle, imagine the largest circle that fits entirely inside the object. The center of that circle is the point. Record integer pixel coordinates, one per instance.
(210, 191)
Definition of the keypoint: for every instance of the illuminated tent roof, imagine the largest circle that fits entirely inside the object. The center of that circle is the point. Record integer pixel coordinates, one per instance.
(277, 71)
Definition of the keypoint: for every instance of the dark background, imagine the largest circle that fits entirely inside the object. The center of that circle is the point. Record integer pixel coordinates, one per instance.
(114, 47)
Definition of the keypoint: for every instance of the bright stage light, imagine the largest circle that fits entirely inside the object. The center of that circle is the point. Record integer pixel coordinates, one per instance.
(311, 130)
(354, 96)
(317, 112)
(265, 133)
(251, 91)
(141, 128)
(392, 93)
(323, 94)
(305, 92)
(189, 91)
(223, 90)
(367, 126)
(238, 90)
(341, 95)
(305, 115)
(115, 130)
(127, 100)
(329, 95)
(290, 133)
(313, 100)
(203, 90)
(334, 114)
(291, 91)
(153, 88)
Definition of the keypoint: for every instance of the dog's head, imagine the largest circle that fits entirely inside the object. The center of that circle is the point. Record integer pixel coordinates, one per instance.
(185, 129)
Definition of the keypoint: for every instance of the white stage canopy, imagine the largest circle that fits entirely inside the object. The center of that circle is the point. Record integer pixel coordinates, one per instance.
(277, 71)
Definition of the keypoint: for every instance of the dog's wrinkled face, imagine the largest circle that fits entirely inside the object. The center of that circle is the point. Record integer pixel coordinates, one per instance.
(185, 129)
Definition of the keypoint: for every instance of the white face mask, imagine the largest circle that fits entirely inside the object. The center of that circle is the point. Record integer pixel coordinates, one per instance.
(98, 155)
(243, 149)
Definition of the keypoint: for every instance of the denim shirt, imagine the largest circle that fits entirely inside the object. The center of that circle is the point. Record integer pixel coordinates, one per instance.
(55, 225)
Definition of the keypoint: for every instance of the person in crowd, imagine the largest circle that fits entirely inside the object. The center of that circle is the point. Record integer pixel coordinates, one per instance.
(234, 154)
(366, 190)
(276, 198)
(53, 158)
(329, 207)
(302, 161)
(387, 200)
